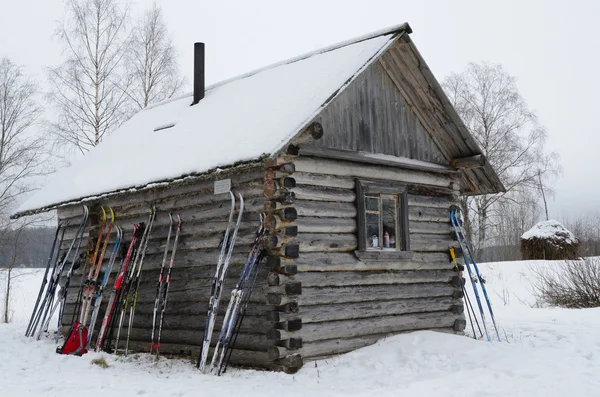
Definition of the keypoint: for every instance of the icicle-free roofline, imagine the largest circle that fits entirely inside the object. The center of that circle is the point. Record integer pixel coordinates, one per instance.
(404, 27)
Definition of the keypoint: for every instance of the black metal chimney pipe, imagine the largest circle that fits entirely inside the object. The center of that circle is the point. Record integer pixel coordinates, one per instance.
(198, 72)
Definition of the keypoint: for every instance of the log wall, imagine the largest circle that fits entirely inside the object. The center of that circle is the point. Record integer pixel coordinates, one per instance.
(344, 303)
(204, 217)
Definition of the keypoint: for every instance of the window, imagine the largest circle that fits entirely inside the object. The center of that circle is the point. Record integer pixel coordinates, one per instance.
(382, 220)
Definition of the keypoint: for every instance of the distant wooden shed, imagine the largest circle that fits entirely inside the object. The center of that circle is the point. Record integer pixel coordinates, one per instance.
(355, 155)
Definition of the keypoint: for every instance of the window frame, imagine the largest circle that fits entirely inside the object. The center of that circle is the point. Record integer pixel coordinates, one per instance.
(402, 250)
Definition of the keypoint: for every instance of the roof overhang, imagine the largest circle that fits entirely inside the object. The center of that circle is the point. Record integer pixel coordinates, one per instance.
(424, 94)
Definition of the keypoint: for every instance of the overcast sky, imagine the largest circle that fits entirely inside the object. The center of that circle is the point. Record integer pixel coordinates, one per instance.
(550, 46)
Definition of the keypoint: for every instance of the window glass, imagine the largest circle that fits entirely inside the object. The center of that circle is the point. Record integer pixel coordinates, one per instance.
(373, 239)
(372, 203)
(389, 208)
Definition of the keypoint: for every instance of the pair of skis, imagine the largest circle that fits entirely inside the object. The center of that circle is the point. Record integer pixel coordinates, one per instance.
(117, 290)
(88, 288)
(238, 302)
(162, 287)
(219, 279)
(133, 283)
(47, 283)
(48, 307)
(473, 271)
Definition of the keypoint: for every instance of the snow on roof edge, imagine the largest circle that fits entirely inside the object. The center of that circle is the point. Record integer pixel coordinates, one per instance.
(404, 27)
(248, 164)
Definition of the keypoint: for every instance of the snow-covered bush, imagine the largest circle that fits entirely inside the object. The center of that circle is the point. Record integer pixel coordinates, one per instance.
(572, 284)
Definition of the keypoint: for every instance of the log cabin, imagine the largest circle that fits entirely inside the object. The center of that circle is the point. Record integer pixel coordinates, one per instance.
(354, 154)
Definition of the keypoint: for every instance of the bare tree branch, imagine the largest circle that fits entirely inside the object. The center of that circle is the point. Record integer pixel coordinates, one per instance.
(509, 134)
(88, 89)
(152, 61)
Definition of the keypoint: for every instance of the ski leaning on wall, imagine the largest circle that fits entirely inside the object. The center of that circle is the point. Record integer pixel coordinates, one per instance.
(473, 270)
(238, 302)
(52, 263)
(49, 306)
(162, 288)
(219, 280)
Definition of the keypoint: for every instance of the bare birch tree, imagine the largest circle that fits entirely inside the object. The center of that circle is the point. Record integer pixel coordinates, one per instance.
(152, 61)
(508, 133)
(22, 157)
(22, 151)
(89, 88)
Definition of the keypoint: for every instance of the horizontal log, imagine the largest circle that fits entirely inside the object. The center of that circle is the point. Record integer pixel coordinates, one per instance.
(347, 168)
(373, 159)
(429, 201)
(325, 225)
(442, 228)
(161, 225)
(355, 310)
(196, 290)
(162, 192)
(319, 242)
(362, 293)
(318, 193)
(431, 242)
(378, 325)
(428, 214)
(182, 204)
(334, 262)
(325, 209)
(339, 279)
(319, 179)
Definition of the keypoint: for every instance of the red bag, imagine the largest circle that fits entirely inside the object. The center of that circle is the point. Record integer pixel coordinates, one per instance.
(76, 343)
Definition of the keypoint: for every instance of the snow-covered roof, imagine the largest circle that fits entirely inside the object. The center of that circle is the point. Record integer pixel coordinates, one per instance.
(550, 230)
(240, 119)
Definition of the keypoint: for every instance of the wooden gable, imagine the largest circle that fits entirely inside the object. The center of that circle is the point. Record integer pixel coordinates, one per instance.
(371, 116)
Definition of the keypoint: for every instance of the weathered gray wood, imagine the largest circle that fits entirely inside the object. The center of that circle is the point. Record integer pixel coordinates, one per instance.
(331, 295)
(476, 161)
(325, 209)
(318, 179)
(428, 201)
(346, 168)
(443, 228)
(348, 311)
(169, 192)
(334, 262)
(325, 225)
(324, 194)
(319, 242)
(331, 279)
(370, 115)
(427, 214)
(378, 325)
(373, 158)
(431, 242)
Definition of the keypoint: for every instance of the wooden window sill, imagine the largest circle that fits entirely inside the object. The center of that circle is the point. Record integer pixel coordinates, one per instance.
(374, 255)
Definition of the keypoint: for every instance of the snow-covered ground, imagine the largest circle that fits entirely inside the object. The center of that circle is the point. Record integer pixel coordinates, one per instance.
(545, 352)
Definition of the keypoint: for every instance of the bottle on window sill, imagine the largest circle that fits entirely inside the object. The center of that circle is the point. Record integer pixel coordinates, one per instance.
(386, 240)
(375, 241)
